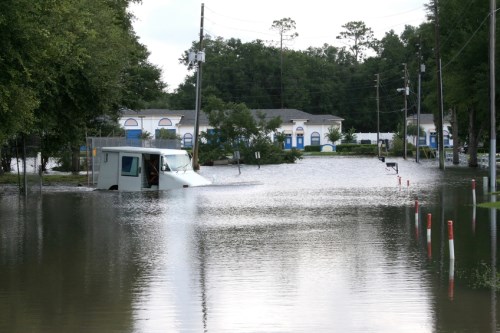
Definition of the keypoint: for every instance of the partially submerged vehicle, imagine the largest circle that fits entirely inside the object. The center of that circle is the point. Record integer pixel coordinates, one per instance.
(137, 168)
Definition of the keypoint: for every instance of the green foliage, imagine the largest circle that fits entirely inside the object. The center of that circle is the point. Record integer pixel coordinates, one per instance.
(484, 276)
(398, 147)
(312, 149)
(318, 80)
(357, 149)
(411, 129)
(465, 67)
(333, 134)
(360, 38)
(350, 136)
(365, 149)
(237, 129)
(270, 154)
(292, 155)
(285, 26)
(66, 65)
(145, 135)
(164, 134)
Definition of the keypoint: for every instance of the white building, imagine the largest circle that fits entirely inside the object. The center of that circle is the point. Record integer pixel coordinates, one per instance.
(430, 133)
(301, 128)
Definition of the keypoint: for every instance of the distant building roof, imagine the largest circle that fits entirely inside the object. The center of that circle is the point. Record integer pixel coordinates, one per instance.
(426, 118)
(286, 115)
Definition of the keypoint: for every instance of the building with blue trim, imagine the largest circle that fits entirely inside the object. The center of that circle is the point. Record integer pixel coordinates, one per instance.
(428, 125)
(300, 128)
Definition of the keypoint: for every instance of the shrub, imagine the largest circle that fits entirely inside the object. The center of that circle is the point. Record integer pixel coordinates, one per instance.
(312, 148)
(350, 148)
(398, 147)
(365, 149)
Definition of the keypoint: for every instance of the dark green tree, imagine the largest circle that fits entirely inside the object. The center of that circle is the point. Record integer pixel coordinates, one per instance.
(66, 65)
(360, 39)
(350, 135)
(236, 128)
(333, 134)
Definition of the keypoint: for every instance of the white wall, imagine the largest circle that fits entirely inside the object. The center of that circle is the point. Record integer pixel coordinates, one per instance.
(150, 124)
(373, 137)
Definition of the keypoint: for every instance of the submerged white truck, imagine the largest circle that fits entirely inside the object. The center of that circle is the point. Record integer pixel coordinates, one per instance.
(137, 169)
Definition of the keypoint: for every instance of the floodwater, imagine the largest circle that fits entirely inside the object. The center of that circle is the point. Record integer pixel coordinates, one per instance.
(322, 245)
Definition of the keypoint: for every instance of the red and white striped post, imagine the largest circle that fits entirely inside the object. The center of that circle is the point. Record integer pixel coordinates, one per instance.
(451, 280)
(474, 219)
(416, 212)
(429, 245)
(474, 192)
(450, 240)
(451, 276)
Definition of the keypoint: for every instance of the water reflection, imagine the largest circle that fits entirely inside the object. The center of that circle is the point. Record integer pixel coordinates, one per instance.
(494, 279)
(322, 245)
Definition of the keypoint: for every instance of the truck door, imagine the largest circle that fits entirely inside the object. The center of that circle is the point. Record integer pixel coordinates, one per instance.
(130, 172)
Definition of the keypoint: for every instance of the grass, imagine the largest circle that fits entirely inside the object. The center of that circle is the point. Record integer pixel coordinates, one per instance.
(489, 204)
(59, 179)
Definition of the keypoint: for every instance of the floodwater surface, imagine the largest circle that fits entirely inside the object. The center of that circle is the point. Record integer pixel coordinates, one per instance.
(322, 245)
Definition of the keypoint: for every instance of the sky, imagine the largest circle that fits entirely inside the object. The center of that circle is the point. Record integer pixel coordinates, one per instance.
(169, 27)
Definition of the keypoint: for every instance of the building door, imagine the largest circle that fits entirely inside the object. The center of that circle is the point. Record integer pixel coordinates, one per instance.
(133, 137)
(432, 140)
(288, 141)
(446, 139)
(130, 173)
(300, 141)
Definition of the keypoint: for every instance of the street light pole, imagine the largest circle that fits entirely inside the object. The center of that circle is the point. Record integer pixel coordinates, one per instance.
(493, 134)
(439, 86)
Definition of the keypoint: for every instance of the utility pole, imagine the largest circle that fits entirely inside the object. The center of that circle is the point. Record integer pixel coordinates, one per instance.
(199, 59)
(378, 113)
(406, 92)
(281, 71)
(493, 134)
(405, 132)
(439, 88)
(421, 69)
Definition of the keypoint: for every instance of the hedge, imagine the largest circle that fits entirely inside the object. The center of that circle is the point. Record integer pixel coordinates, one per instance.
(357, 149)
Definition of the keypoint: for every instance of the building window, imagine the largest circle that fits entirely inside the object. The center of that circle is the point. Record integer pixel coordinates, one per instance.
(165, 122)
(423, 138)
(213, 136)
(131, 122)
(315, 139)
(188, 140)
(446, 138)
(165, 133)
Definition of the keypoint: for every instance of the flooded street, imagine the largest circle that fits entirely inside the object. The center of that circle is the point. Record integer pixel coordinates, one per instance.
(322, 245)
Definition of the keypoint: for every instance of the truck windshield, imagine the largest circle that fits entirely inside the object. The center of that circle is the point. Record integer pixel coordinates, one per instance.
(177, 162)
